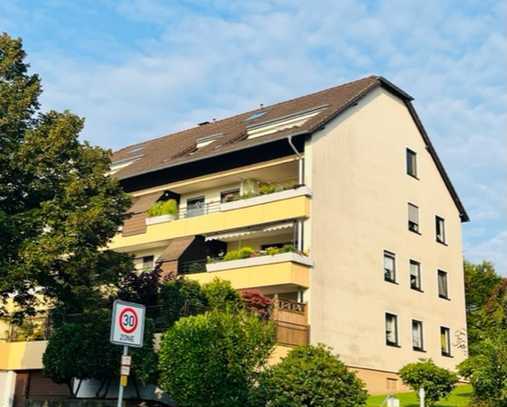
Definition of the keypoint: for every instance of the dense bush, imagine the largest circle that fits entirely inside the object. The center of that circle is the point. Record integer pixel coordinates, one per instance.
(256, 302)
(180, 297)
(211, 360)
(436, 381)
(242, 253)
(310, 376)
(169, 207)
(487, 371)
(65, 362)
(221, 296)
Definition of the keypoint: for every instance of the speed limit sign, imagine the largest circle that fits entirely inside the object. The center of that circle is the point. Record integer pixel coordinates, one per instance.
(127, 325)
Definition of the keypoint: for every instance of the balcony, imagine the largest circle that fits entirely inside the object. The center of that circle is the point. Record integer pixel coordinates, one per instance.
(291, 320)
(269, 273)
(217, 216)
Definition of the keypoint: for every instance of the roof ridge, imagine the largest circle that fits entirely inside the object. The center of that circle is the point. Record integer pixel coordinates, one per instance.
(249, 111)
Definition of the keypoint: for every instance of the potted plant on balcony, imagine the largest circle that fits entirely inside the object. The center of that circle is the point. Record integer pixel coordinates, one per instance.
(162, 211)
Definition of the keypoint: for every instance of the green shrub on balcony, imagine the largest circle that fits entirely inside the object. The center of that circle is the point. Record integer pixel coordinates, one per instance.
(286, 248)
(169, 207)
(242, 253)
(247, 252)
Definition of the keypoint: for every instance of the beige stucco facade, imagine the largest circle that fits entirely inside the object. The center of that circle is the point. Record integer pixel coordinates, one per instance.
(359, 209)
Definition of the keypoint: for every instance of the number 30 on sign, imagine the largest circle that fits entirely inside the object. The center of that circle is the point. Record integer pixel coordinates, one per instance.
(127, 325)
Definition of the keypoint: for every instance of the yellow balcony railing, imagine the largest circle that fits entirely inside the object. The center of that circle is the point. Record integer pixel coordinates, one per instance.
(289, 269)
(232, 218)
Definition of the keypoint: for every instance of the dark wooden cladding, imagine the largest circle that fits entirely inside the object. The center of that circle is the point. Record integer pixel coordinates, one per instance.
(292, 334)
(135, 225)
(291, 322)
(21, 389)
(42, 387)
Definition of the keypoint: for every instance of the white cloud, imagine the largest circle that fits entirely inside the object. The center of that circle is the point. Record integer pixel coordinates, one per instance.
(212, 59)
(493, 249)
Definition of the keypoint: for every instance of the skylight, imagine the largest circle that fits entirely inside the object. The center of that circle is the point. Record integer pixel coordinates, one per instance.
(255, 115)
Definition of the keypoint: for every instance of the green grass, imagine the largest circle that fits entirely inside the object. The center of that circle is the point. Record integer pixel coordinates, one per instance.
(460, 397)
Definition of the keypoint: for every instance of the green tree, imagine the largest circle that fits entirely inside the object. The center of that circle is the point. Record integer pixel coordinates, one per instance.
(485, 293)
(58, 209)
(180, 297)
(436, 381)
(487, 371)
(211, 360)
(79, 349)
(65, 360)
(310, 376)
(221, 296)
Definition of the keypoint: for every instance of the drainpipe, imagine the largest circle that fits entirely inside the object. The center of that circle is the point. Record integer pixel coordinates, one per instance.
(301, 181)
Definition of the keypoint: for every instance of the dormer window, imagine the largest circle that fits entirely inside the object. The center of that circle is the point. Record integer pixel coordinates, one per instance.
(285, 122)
(207, 140)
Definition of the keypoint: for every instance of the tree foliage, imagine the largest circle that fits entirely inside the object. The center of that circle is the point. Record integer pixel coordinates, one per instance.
(487, 371)
(257, 302)
(436, 381)
(221, 296)
(58, 209)
(310, 376)
(80, 350)
(211, 360)
(486, 303)
(180, 297)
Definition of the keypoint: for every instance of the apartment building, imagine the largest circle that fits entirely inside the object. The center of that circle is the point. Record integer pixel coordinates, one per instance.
(334, 204)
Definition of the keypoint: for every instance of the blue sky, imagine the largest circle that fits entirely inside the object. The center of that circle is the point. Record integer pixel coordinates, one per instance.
(138, 69)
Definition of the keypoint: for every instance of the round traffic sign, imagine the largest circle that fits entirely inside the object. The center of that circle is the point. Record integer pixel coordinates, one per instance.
(128, 320)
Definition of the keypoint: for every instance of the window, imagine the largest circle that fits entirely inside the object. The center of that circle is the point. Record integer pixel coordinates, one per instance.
(391, 330)
(389, 267)
(148, 263)
(442, 285)
(195, 206)
(230, 195)
(415, 275)
(445, 341)
(411, 163)
(440, 229)
(413, 218)
(417, 335)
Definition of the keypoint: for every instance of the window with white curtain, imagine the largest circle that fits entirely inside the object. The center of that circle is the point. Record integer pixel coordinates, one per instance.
(445, 341)
(391, 330)
(440, 229)
(389, 267)
(417, 335)
(443, 291)
(415, 275)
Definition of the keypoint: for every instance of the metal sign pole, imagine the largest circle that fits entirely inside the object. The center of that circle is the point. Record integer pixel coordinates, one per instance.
(422, 397)
(121, 387)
